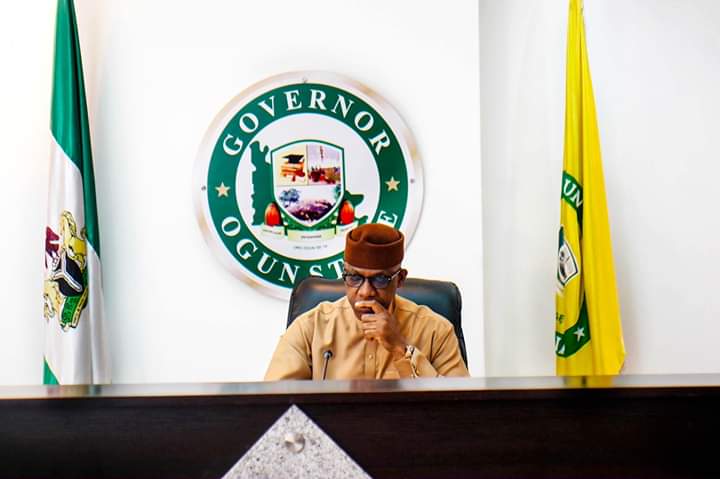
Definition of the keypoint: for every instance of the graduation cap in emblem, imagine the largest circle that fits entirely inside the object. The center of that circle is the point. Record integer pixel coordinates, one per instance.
(294, 158)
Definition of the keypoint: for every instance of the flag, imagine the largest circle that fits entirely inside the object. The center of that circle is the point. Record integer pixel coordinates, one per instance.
(588, 332)
(75, 345)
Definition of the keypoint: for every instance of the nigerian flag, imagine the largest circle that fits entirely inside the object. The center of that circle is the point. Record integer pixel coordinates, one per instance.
(75, 348)
(588, 333)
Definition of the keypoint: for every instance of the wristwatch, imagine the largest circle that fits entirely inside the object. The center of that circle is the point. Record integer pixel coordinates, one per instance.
(409, 350)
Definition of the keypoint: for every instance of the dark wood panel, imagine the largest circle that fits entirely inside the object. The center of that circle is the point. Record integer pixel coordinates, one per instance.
(644, 432)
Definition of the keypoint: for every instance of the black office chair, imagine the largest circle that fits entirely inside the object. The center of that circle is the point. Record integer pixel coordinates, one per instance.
(443, 297)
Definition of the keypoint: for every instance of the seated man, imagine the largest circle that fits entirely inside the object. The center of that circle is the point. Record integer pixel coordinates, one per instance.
(370, 333)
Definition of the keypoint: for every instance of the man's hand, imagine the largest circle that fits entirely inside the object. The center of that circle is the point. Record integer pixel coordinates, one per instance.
(383, 326)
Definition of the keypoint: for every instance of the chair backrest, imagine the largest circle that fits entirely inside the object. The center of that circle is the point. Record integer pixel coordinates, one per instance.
(443, 297)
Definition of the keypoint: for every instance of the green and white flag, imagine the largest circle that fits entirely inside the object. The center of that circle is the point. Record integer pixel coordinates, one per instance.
(75, 345)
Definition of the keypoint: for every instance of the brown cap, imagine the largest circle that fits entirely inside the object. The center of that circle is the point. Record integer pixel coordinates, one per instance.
(374, 246)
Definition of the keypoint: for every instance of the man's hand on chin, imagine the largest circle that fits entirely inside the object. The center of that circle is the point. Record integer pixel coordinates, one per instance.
(378, 323)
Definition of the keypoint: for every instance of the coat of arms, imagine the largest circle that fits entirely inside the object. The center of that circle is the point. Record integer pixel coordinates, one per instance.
(308, 192)
(65, 291)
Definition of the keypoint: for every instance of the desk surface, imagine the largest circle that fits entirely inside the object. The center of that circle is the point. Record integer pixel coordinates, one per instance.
(643, 426)
(446, 385)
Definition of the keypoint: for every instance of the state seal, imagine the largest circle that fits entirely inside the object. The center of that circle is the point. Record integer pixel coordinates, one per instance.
(292, 164)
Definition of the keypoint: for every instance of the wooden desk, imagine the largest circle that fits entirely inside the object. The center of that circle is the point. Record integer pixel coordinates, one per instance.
(451, 428)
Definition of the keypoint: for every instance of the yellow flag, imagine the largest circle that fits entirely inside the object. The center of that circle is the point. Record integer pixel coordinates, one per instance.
(588, 332)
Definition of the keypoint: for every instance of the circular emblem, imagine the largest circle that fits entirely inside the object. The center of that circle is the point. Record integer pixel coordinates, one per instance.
(291, 165)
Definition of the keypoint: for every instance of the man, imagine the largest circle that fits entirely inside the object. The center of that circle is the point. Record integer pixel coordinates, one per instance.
(371, 332)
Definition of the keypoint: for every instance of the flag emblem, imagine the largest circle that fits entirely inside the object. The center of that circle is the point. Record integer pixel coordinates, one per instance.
(294, 163)
(567, 264)
(65, 292)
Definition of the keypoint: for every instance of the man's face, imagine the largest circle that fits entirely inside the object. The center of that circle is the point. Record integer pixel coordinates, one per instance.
(367, 292)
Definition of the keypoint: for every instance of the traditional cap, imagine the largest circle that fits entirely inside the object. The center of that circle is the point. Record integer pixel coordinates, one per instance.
(374, 246)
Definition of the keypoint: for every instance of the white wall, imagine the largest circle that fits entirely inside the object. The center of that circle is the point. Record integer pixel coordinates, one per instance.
(656, 69)
(157, 72)
(25, 83)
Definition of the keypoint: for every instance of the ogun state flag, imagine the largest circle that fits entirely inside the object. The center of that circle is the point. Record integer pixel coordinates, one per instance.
(588, 335)
(75, 347)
